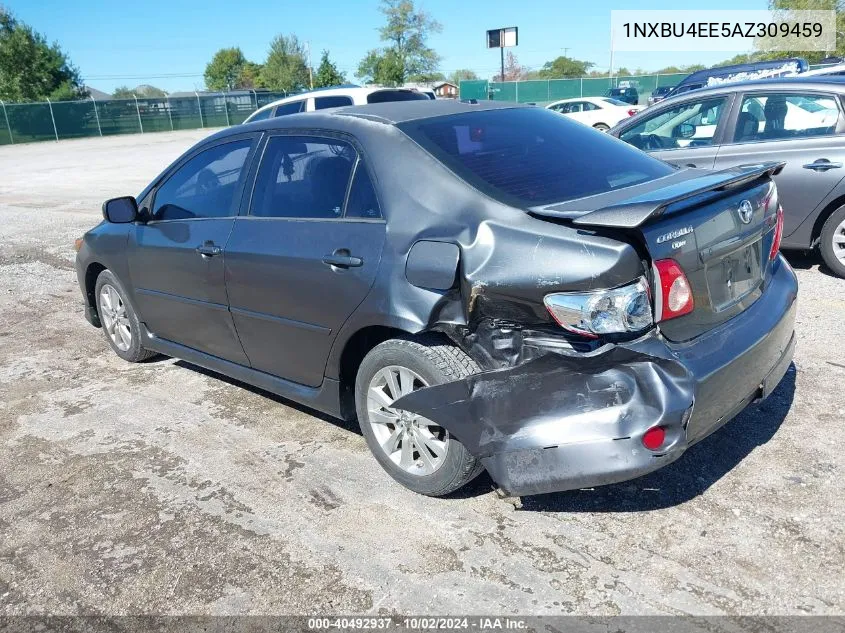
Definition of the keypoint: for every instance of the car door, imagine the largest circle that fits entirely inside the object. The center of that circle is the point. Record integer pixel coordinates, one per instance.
(176, 257)
(684, 134)
(305, 255)
(804, 129)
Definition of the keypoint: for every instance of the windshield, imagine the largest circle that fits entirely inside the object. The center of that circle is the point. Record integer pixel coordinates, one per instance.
(532, 156)
(616, 102)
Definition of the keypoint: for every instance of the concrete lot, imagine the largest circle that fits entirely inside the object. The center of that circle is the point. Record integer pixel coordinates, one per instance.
(159, 488)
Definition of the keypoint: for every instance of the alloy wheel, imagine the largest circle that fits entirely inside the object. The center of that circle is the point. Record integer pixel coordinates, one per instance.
(839, 242)
(414, 443)
(114, 317)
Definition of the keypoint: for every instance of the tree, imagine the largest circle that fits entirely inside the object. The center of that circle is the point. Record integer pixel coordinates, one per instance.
(427, 78)
(123, 92)
(407, 54)
(250, 77)
(563, 66)
(144, 90)
(31, 69)
(327, 73)
(285, 68)
(462, 74)
(224, 69)
(513, 70)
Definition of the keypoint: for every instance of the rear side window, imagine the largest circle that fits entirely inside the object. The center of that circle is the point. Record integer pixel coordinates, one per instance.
(531, 156)
(290, 108)
(321, 103)
(382, 96)
(303, 177)
(260, 116)
(771, 117)
(362, 195)
(205, 186)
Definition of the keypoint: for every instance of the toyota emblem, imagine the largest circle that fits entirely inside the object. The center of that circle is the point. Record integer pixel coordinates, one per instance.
(745, 211)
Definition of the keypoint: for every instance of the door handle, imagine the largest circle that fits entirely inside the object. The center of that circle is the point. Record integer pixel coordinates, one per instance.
(208, 249)
(822, 164)
(342, 259)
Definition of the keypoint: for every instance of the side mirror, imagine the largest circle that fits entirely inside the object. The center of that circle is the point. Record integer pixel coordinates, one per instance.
(685, 130)
(120, 210)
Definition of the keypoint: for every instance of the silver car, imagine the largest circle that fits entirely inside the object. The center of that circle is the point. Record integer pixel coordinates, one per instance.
(796, 120)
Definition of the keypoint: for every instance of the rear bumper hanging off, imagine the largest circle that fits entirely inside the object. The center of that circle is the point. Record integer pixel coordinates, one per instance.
(563, 422)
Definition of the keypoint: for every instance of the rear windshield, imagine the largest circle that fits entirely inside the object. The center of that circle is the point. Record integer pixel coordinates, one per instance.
(382, 96)
(532, 156)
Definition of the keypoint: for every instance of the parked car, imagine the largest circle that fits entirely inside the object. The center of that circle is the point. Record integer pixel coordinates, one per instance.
(659, 94)
(324, 98)
(795, 120)
(740, 72)
(627, 94)
(601, 113)
(827, 71)
(482, 286)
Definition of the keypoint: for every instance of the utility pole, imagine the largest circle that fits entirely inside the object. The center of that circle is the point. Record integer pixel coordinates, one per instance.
(502, 50)
(310, 70)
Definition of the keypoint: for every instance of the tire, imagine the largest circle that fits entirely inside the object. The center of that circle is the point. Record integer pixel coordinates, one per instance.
(433, 362)
(832, 242)
(601, 127)
(119, 319)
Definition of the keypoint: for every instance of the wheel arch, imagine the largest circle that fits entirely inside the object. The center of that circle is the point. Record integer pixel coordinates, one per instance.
(822, 217)
(92, 272)
(353, 350)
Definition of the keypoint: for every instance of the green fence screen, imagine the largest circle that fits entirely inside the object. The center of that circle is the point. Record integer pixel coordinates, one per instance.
(543, 92)
(50, 121)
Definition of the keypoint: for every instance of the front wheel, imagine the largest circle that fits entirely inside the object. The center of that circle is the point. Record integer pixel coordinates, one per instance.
(119, 319)
(832, 245)
(414, 450)
(601, 127)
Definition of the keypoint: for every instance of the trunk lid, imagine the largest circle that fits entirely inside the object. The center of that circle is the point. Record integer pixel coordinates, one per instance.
(718, 226)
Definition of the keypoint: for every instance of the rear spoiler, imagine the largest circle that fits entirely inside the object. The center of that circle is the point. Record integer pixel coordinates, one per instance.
(640, 209)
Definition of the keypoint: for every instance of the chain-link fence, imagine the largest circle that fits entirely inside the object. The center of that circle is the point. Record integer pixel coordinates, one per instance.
(543, 92)
(52, 121)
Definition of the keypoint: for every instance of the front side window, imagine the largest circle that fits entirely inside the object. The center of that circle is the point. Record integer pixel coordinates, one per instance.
(303, 177)
(321, 103)
(290, 108)
(769, 117)
(205, 186)
(530, 156)
(692, 124)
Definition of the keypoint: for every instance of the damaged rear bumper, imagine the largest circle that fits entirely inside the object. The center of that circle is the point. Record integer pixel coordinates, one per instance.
(561, 422)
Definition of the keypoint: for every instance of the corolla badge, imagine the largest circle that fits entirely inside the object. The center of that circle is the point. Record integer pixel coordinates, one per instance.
(745, 212)
(673, 235)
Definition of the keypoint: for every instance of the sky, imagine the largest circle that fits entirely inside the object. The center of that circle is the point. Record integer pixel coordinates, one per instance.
(168, 43)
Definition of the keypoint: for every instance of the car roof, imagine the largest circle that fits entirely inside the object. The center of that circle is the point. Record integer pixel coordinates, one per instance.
(346, 90)
(796, 82)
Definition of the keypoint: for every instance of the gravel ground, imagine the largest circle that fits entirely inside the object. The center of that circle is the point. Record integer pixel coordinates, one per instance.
(160, 488)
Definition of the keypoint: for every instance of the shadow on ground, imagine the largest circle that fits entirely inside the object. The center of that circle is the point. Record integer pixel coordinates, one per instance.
(698, 469)
(807, 260)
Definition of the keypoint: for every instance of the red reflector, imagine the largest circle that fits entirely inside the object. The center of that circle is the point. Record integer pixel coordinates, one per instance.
(674, 291)
(653, 438)
(778, 234)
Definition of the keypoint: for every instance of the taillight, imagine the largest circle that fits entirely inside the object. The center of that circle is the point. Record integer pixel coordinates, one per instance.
(673, 291)
(778, 234)
(632, 112)
(612, 311)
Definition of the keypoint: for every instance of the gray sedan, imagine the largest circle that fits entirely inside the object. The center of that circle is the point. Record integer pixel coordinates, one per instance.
(798, 121)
